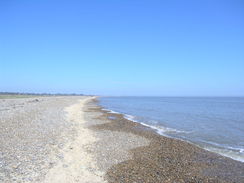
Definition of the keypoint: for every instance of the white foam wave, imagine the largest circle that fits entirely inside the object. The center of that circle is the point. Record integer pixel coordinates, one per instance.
(241, 150)
(159, 129)
(236, 149)
(236, 153)
(231, 152)
(130, 117)
(239, 156)
(110, 111)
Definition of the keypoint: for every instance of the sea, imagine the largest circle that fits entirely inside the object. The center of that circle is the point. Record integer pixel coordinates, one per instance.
(213, 123)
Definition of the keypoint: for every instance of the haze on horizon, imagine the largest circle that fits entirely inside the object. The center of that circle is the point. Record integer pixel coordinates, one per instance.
(138, 48)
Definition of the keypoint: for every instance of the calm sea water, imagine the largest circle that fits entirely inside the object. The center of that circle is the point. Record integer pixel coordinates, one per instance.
(216, 124)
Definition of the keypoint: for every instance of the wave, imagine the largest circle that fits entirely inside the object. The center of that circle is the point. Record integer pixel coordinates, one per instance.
(159, 129)
(110, 111)
(239, 156)
(235, 153)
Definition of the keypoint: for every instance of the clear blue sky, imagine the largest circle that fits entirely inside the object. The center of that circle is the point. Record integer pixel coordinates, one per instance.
(123, 47)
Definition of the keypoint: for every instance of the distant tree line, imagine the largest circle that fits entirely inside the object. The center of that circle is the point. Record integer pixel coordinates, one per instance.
(41, 94)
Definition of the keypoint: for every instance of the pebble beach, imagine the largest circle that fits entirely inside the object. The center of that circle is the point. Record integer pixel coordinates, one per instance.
(72, 139)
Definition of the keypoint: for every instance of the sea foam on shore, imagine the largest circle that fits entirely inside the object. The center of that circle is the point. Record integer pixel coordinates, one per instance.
(192, 125)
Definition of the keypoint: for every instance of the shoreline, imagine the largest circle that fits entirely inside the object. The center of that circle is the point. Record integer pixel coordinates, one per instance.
(170, 159)
(158, 131)
(72, 139)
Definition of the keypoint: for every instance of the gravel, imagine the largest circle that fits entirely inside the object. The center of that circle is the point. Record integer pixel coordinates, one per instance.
(130, 152)
(35, 132)
(31, 130)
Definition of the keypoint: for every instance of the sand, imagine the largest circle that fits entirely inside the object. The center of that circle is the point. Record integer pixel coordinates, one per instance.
(72, 139)
(44, 140)
(77, 164)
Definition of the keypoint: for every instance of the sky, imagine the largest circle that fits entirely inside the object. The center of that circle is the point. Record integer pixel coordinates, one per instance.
(123, 47)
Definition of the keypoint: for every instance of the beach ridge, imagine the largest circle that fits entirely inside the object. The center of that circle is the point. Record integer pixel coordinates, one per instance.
(79, 164)
(73, 139)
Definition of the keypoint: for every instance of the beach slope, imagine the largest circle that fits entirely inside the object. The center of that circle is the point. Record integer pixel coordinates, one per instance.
(44, 140)
(72, 139)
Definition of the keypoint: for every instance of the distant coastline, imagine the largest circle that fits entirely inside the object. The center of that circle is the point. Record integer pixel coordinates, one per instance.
(42, 94)
(73, 139)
